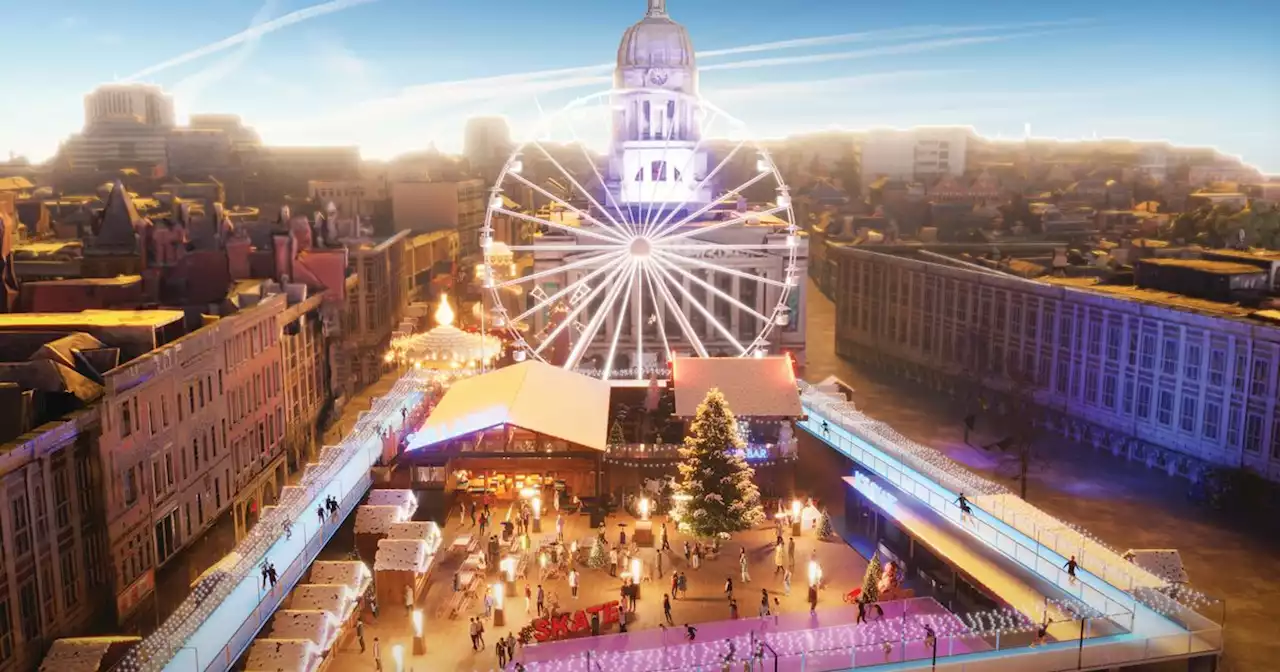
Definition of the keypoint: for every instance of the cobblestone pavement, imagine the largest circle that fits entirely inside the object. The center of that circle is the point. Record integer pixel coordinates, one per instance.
(1124, 504)
(705, 600)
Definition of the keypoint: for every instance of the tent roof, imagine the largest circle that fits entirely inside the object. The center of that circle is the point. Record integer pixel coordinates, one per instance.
(753, 386)
(530, 395)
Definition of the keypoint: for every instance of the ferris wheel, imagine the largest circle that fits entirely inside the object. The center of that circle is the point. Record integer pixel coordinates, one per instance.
(640, 255)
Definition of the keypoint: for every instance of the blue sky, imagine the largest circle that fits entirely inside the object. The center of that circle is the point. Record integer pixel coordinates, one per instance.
(368, 72)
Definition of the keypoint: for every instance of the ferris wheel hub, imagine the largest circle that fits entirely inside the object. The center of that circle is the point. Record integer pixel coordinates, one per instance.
(641, 247)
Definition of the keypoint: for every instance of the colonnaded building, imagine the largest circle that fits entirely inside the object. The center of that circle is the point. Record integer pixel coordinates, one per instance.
(1151, 372)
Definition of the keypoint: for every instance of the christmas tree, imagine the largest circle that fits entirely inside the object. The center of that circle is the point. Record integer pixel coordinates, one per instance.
(615, 434)
(871, 582)
(714, 473)
(597, 557)
(825, 531)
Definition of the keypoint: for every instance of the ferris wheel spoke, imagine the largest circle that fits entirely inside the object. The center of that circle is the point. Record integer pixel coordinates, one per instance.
(575, 230)
(654, 206)
(566, 248)
(608, 193)
(676, 311)
(602, 313)
(714, 290)
(593, 259)
(678, 259)
(740, 219)
(726, 247)
(571, 287)
(658, 316)
(617, 327)
(706, 314)
(671, 229)
(619, 227)
(614, 273)
(663, 227)
(697, 149)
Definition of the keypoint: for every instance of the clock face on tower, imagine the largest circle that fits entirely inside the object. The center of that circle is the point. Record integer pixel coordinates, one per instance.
(655, 77)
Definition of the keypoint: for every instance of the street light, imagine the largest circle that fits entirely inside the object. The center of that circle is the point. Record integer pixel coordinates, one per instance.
(815, 573)
(644, 508)
(397, 654)
(499, 602)
(795, 517)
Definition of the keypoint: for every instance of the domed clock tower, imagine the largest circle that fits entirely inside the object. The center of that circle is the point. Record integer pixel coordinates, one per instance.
(653, 164)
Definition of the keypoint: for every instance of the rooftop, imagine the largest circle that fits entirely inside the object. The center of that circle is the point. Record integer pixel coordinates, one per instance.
(752, 386)
(1204, 265)
(92, 318)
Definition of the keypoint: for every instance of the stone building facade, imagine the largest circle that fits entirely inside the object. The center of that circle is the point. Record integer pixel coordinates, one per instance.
(1130, 372)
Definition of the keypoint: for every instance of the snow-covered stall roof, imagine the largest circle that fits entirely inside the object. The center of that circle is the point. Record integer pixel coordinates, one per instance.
(283, 655)
(377, 519)
(426, 530)
(320, 627)
(85, 654)
(402, 555)
(531, 395)
(1165, 563)
(351, 573)
(405, 499)
(334, 598)
(752, 386)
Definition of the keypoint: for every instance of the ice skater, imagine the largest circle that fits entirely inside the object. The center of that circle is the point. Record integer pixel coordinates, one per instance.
(1070, 566)
(966, 513)
(826, 429)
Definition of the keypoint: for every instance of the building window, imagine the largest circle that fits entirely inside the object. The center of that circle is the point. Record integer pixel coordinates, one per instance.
(1164, 408)
(6, 631)
(1128, 397)
(1192, 365)
(1212, 416)
(1113, 342)
(1187, 414)
(1253, 433)
(1095, 336)
(1091, 386)
(1261, 372)
(1217, 367)
(21, 525)
(1144, 401)
(1169, 363)
(1233, 426)
(1242, 364)
(70, 581)
(1148, 351)
(130, 483)
(1063, 377)
(126, 420)
(1109, 391)
(29, 611)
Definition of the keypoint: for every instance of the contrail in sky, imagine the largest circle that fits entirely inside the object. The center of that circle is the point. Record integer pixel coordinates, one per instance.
(187, 90)
(252, 33)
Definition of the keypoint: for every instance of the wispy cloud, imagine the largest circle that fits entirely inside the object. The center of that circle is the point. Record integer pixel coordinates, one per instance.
(188, 90)
(71, 21)
(824, 87)
(889, 34)
(431, 96)
(252, 33)
(888, 50)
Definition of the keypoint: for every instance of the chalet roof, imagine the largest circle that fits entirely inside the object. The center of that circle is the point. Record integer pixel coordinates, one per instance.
(752, 386)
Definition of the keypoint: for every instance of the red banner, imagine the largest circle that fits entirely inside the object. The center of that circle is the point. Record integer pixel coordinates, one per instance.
(564, 626)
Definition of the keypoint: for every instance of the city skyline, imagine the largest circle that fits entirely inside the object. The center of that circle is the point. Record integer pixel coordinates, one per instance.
(390, 76)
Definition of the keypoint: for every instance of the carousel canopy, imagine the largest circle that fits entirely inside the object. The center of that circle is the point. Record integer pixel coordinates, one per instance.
(753, 386)
(531, 395)
(446, 345)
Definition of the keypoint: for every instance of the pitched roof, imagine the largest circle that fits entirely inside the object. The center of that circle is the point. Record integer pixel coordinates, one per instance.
(764, 386)
(530, 395)
(119, 219)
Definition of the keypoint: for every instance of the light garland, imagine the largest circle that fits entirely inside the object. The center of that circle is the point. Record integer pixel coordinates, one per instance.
(1091, 553)
(157, 650)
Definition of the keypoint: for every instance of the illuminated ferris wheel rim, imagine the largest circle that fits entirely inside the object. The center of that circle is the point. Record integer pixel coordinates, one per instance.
(639, 253)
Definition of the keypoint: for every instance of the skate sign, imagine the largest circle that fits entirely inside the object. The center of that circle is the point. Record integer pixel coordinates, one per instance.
(578, 623)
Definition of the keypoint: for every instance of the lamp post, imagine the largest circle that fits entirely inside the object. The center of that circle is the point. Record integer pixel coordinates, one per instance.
(397, 654)
(499, 608)
(795, 517)
(508, 567)
(419, 641)
(537, 514)
(644, 527)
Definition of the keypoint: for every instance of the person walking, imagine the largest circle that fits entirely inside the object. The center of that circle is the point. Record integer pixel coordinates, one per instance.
(559, 528)
(475, 641)
(813, 599)
(733, 609)
(528, 598)
(684, 584)
(573, 583)
(791, 553)
(1070, 566)
(613, 562)
(666, 608)
(488, 604)
(472, 514)
(360, 633)
(764, 602)
(666, 541)
(675, 585)
(786, 582)
(480, 633)
(377, 655)
(862, 613)
(541, 601)
(742, 563)
(687, 552)
(779, 556)
(501, 649)
(728, 587)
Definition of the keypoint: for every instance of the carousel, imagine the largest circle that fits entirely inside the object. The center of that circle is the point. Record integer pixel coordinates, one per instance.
(446, 347)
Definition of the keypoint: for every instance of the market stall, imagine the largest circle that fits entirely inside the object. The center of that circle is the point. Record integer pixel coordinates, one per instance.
(320, 627)
(334, 598)
(284, 655)
(372, 524)
(401, 564)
